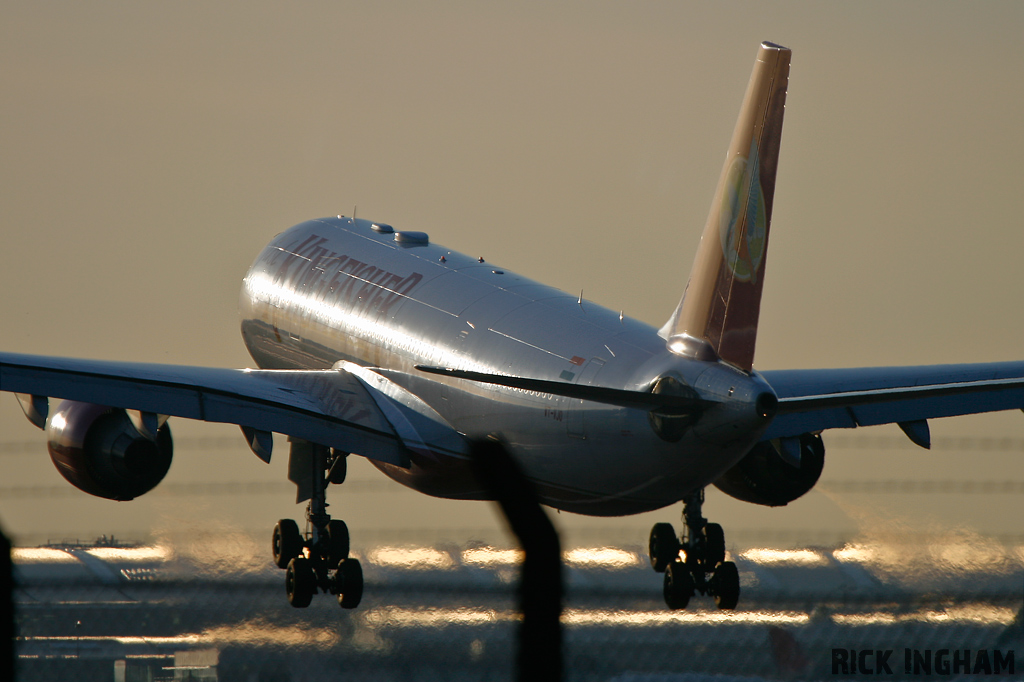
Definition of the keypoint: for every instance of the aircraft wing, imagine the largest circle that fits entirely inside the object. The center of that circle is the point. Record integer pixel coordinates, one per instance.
(335, 408)
(816, 399)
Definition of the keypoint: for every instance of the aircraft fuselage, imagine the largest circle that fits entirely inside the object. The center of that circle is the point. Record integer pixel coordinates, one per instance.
(338, 289)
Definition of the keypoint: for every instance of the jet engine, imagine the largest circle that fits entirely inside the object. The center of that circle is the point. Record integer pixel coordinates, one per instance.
(104, 452)
(764, 477)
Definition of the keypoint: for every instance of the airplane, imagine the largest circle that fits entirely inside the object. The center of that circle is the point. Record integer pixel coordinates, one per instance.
(376, 341)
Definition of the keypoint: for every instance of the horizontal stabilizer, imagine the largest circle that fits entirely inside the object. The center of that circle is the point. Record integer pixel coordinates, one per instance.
(887, 395)
(812, 400)
(599, 394)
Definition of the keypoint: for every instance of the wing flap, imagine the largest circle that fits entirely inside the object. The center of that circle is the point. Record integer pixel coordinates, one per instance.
(419, 426)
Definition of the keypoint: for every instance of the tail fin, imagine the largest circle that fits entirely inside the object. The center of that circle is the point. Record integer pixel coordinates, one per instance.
(719, 310)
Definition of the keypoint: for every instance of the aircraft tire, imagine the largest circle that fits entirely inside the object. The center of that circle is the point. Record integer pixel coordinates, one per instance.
(300, 582)
(678, 585)
(663, 546)
(338, 542)
(725, 585)
(714, 545)
(349, 583)
(287, 542)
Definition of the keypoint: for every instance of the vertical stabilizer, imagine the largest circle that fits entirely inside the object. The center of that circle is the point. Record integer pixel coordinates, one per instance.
(719, 310)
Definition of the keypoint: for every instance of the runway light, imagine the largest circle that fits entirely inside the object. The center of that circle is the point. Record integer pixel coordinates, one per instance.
(261, 633)
(973, 554)
(439, 618)
(981, 614)
(855, 554)
(799, 557)
(412, 558)
(489, 556)
(582, 557)
(876, 618)
(42, 555)
(152, 641)
(601, 557)
(434, 618)
(581, 617)
(152, 553)
(255, 632)
(953, 554)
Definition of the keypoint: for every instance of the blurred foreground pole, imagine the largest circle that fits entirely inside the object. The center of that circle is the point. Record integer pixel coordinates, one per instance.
(6, 609)
(540, 585)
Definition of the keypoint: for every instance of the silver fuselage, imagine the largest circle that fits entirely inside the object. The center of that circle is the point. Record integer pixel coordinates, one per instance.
(339, 289)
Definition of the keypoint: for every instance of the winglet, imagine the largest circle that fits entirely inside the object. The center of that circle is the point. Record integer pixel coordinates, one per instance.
(717, 316)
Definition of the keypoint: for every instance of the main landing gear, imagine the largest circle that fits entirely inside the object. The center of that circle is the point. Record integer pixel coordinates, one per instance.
(317, 559)
(703, 567)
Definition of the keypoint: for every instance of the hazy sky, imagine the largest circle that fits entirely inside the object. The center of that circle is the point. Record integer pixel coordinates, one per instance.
(149, 150)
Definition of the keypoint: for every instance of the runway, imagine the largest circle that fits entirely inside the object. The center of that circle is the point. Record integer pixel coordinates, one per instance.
(185, 611)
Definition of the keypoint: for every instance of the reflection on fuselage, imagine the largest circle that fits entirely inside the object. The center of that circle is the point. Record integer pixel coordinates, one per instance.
(337, 289)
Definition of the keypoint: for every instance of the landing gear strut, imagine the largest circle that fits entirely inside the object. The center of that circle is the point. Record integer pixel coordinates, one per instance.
(703, 567)
(318, 559)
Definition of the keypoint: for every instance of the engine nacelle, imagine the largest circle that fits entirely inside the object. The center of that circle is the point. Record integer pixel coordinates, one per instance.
(763, 477)
(100, 451)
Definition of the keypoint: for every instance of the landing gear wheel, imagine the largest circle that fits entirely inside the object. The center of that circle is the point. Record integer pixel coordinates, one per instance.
(287, 542)
(318, 560)
(348, 583)
(714, 546)
(702, 568)
(678, 585)
(300, 582)
(725, 585)
(337, 542)
(663, 547)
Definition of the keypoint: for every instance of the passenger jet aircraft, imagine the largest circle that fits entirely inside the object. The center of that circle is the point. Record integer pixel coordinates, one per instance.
(375, 341)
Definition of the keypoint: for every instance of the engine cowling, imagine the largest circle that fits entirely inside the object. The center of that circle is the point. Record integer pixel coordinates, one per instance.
(100, 451)
(763, 477)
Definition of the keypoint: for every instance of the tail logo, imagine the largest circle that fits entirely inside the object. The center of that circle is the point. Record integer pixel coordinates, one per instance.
(742, 217)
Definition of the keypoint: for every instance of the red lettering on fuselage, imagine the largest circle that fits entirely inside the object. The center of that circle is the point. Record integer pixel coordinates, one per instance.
(313, 269)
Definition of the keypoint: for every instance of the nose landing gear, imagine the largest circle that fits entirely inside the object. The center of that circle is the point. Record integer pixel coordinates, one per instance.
(702, 567)
(317, 560)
